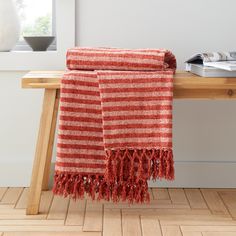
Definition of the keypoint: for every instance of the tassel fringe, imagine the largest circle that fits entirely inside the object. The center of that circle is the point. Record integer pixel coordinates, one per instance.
(126, 177)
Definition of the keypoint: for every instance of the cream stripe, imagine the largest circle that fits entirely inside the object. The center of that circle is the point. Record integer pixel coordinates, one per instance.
(140, 121)
(80, 105)
(138, 112)
(80, 142)
(110, 58)
(134, 103)
(137, 131)
(78, 114)
(80, 160)
(81, 151)
(81, 96)
(138, 140)
(135, 94)
(82, 170)
(85, 133)
(137, 85)
(135, 75)
(80, 124)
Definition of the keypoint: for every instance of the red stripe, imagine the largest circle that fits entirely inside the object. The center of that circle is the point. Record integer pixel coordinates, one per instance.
(80, 146)
(136, 99)
(81, 165)
(139, 145)
(133, 81)
(123, 64)
(80, 101)
(81, 110)
(138, 135)
(81, 119)
(135, 108)
(137, 117)
(86, 156)
(79, 128)
(79, 82)
(79, 91)
(139, 74)
(135, 90)
(80, 137)
(76, 74)
(136, 126)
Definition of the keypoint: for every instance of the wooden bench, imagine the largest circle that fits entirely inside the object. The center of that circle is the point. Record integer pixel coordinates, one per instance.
(186, 86)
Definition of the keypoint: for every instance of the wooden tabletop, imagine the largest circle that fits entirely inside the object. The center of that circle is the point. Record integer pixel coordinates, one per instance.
(186, 85)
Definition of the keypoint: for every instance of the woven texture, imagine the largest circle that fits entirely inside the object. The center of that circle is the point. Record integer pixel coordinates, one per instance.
(115, 127)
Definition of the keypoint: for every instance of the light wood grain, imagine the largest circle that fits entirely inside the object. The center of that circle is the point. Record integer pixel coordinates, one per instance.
(53, 234)
(11, 196)
(59, 216)
(177, 196)
(2, 192)
(76, 212)
(150, 226)
(41, 153)
(214, 201)
(186, 85)
(195, 199)
(160, 194)
(58, 208)
(131, 224)
(171, 231)
(229, 198)
(112, 222)
(22, 202)
(93, 217)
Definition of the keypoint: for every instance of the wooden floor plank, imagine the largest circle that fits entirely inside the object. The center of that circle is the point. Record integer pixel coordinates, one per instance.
(229, 198)
(58, 209)
(131, 224)
(150, 226)
(195, 199)
(219, 234)
(45, 202)
(214, 201)
(2, 192)
(112, 222)
(160, 194)
(177, 196)
(76, 212)
(171, 231)
(11, 196)
(34, 222)
(93, 216)
(192, 234)
(209, 228)
(41, 228)
(52, 234)
(22, 202)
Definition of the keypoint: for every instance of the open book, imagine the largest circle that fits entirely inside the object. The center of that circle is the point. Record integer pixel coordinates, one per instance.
(219, 60)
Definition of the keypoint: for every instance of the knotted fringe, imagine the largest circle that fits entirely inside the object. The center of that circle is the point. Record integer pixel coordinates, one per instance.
(95, 186)
(139, 164)
(126, 177)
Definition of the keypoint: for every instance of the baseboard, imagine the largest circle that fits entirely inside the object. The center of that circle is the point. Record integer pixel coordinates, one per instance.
(187, 174)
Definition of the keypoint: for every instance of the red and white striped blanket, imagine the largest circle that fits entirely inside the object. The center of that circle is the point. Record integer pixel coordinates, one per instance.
(115, 130)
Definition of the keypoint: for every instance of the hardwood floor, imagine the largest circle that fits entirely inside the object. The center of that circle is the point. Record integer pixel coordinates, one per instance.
(172, 212)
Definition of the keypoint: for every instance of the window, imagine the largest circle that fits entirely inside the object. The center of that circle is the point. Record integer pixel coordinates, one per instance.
(37, 19)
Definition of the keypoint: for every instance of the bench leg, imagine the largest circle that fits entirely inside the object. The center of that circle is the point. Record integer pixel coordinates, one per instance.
(41, 154)
(50, 144)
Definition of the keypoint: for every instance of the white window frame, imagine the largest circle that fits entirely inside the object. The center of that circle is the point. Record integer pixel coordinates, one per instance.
(49, 60)
(23, 46)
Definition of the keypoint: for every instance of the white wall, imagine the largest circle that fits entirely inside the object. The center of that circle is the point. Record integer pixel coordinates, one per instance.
(204, 131)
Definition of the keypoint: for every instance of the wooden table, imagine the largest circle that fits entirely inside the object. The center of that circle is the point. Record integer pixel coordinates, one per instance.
(186, 86)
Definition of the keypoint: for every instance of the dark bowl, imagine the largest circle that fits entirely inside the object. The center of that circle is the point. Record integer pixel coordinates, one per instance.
(39, 43)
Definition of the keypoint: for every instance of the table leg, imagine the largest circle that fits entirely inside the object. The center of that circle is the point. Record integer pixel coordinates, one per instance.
(41, 154)
(51, 143)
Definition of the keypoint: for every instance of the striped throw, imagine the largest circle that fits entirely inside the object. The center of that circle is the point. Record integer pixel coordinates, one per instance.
(115, 126)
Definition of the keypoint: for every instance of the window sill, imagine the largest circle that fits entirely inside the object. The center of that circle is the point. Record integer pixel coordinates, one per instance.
(29, 60)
